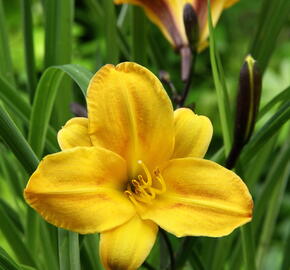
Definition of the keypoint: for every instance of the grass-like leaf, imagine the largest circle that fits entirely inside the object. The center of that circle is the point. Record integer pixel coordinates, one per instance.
(14, 238)
(58, 50)
(6, 69)
(42, 108)
(271, 127)
(273, 16)
(220, 86)
(68, 250)
(6, 262)
(17, 143)
(111, 33)
(29, 46)
(21, 107)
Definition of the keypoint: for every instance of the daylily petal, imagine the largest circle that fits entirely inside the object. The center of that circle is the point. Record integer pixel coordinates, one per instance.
(81, 189)
(127, 246)
(74, 133)
(193, 134)
(202, 199)
(130, 114)
(217, 7)
(229, 3)
(168, 16)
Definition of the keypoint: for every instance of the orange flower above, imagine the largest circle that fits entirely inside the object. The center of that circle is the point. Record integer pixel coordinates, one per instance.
(135, 164)
(168, 16)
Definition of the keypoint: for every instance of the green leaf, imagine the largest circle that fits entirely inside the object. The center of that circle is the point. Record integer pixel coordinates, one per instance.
(256, 168)
(139, 39)
(17, 143)
(286, 257)
(196, 261)
(6, 69)
(271, 181)
(79, 75)
(271, 127)
(13, 215)
(58, 50)
(12, 172)
(111, 33)
(42, 108)
(248, 246)
(91, 248)
(221, 251)
(273, 16)
(6, 262)
(45, 97)
(14, 238)
(284, 95)
(20, 106)
(272, 213)
(220, 86)
(29, 46)
(68, 243)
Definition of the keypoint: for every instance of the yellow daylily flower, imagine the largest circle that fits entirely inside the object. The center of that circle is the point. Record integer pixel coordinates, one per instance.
(168, 16)
(135, 164)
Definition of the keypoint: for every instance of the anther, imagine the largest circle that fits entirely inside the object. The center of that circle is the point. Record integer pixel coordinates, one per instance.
(141, 190)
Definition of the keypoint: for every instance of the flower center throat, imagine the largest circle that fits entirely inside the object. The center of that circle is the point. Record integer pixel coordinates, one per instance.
(144, 190)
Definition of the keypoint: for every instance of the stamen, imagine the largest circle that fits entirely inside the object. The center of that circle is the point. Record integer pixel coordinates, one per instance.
(135, 183)
(141, 179)
(140, 190)
(149, 179)
(161, 181)
(131, 197)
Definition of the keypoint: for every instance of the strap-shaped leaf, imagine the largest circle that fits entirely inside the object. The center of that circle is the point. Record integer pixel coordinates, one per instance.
(45, 97)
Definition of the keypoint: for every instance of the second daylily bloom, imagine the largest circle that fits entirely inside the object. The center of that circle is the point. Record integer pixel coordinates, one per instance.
(168, 16)
(133, 165)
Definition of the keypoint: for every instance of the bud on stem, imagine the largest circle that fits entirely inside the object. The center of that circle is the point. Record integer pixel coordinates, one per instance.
(191, 26)
(188, 52)
(248, 101)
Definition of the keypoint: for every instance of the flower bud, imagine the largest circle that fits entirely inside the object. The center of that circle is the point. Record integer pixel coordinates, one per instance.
(248, 101)
(191, 26)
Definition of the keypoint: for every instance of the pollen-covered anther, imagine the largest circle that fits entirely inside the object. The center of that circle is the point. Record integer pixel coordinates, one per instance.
(144, 190)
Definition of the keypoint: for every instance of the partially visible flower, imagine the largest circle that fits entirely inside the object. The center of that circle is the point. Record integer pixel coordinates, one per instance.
(133, 165)
(168, 16)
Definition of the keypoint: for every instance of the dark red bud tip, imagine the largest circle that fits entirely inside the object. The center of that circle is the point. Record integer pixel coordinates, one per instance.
(191, 25)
